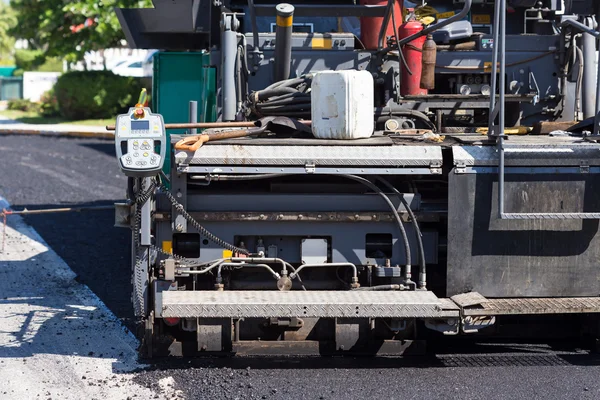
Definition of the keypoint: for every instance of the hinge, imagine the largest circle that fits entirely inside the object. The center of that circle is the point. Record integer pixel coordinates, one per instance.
(584, 167)
(309, 168)
(460, 168)
(435, 167)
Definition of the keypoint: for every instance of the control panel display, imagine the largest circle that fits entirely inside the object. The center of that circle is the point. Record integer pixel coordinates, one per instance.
(141, 142)
(140, 125)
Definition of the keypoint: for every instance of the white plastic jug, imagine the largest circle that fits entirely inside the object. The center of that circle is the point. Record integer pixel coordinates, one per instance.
(342, 105)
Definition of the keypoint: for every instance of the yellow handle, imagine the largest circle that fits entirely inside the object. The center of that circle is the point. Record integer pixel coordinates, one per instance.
(191, 143)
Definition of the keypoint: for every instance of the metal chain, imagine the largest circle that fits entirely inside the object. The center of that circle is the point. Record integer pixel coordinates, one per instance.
(203, 231)
(138, 277)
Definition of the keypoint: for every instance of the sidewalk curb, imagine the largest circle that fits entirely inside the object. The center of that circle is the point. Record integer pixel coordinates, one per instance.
(58, 133)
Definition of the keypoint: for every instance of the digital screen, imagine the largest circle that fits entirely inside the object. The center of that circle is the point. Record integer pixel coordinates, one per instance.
(140, 125)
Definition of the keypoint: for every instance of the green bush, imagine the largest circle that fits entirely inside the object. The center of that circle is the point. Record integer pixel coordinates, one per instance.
(21, 105)
(95, 94)
(52, 64)
(48, 106)
(29, 60)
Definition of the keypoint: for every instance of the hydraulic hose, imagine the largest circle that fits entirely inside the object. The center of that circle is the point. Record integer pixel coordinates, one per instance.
(376, 189)
(418, 234)
(382, 287)
(263, 95)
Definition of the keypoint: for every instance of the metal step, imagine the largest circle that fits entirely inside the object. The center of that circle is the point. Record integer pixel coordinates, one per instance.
(473, 304)
(329, 304)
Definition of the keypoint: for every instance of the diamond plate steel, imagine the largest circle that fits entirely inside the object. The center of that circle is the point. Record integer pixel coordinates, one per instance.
(468, 299)
(532, 306)
(527, 154)
(552, 216)
(263, 304)
(339, 156)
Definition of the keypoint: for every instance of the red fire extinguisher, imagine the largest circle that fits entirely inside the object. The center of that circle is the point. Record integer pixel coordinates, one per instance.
(370, 26)
(410, 82)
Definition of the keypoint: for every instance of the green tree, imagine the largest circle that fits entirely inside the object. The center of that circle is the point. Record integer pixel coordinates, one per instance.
(7, 21)
(69, 29)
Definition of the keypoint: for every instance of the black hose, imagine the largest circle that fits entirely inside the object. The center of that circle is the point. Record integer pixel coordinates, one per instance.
(296, 114)
(376, 189)
(281, 100)
(252, 12)
(418, 234)
(262, 95)
(130, 191)
(291, 107)
(290, 82)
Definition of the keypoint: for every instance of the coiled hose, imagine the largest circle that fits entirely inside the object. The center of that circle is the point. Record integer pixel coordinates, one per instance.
(290, 97)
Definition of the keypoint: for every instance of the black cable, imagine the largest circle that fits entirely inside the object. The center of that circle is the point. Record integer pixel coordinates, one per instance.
(291, 107)
(376, 189)
(252, 12)
(418, 233)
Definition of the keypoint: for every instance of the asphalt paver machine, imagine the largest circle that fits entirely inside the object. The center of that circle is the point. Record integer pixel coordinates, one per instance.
(379, 173)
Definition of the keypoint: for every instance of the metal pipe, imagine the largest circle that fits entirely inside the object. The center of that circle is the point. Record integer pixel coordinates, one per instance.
(494, 88)
(502, 88)
(229, 50)
(202, 271)
(263, 260)
(590, 29)
(432, 28)
(265, 266)
(283, 41)
(597, 105)
(300, 268)
(6, 212)
(383, 287)
(589, 77)
(193, 116)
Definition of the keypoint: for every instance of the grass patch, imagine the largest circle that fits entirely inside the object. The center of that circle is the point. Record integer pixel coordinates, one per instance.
(32, 117)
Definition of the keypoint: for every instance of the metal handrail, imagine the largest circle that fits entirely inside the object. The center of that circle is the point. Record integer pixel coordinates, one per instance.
(497, 110)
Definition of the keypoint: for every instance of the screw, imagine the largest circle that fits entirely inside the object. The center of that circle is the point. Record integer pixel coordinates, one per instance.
(179, 228)
(179, 195)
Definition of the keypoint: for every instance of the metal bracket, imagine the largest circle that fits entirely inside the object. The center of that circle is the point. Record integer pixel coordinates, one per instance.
(460, 168)
(310, 168)
(169, 269)
(435, 168)
(123, 213)
(292, 323)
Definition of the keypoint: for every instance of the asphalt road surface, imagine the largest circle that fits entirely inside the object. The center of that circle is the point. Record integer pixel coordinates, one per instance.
(57, 338)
